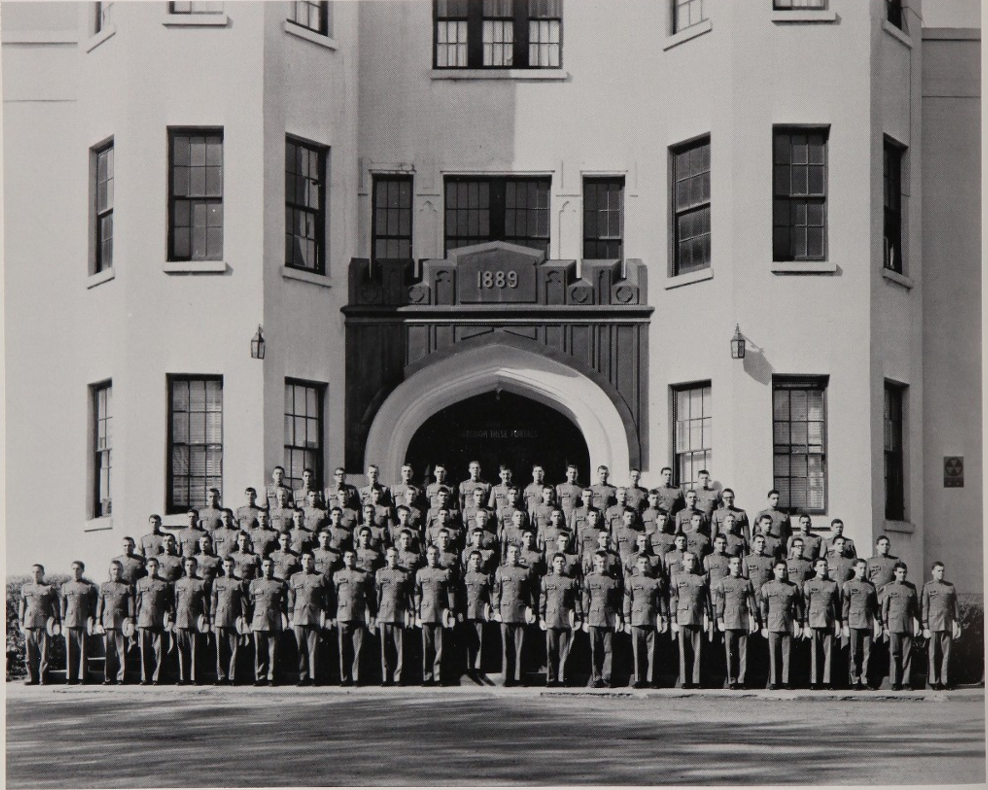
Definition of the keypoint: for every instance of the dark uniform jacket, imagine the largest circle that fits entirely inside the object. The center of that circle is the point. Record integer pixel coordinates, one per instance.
(880, 570)
(246, 517)
(367, 497)
(340, 538)
(327, 561)
(394, 595)
(604, 495)
(671, 499)
(781, 606)
(637, 497)
(533, 560)
(131, 567)
(315, 517)
(285, 563)
(532, 495)
(717, 566)
(354, 595)
(271, 494)
(154, 597)
(434, 592)
(229, 601)
(643, 600)
(781, 527)
(513, 591)
(737, 545)
(115, 604)
(209, 566)
(40, 603)
(191, 601)
(302, 539)
(306, 597)
(689, 598)
(246, 563)
(268, 598)
(225, 541)
(188, 540)
(467, 487)
(78, 603)
(477, 587)
(409, 561)
(498, 497)
(662, 543)
(758, 568)
(649, 518)
(170, 567)
(840, 569)
(707, 500)
(812, 545)
(558, 596)
(568, 496)
(653, 568)
(210, 518)
(899, 606)
(152, 545)
(281, 518)
(368, 560)
(823, 607)
(263, 541)
(684, 518)
(799, 569)
(734, 602)
(740, 520)
(601, 600)
(488, 559)
(625, 541)
(860, 604)
(940, 608)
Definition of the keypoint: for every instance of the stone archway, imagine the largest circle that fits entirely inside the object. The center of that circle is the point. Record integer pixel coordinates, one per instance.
(488, 368)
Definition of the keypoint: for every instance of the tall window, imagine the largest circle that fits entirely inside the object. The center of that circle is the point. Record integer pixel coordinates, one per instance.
(692, 436)
(894, 13)
(517, 34)
(305, 205)
(101, 395)
(799, 423)
(799, 213)
(196, 195)
(314, 16)
(497, 209)
(303, 430)
(686, 14)
(195, 440)
(103, 209)
(895, 491)
(691, 206)
(893, 205)
(195, 7)
(392, 221)
(603, 217)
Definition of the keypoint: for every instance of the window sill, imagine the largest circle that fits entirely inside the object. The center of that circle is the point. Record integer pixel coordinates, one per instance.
(896, 33)
(100, 37)
(195, 267)
(900, 279)
(520, 75)
(904, 527)
(100, 277)
(98, 524)
(309, 35)
(305, 276)
(196, 20)
(679, 280)
(804, 267)
(687, 34)
(804, 17)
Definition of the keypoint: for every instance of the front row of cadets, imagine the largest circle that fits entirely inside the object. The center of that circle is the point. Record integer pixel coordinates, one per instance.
(167, 598)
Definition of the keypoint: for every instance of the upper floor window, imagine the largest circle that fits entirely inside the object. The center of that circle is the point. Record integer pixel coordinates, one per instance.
(892, 181)
(691, 206)
(603, 217)
(799, 208)
(895, 497)
(687, 13)
(195, 440)
(692, 438)
(392, 221)
(520, 34)
(305, 205)
(799, 428)
(790, 5)
(303, 430)
(895, 14)
(195, 7)
(497, 209)
(101, 399)
(103, 207)
(196, 195)
(314, 16)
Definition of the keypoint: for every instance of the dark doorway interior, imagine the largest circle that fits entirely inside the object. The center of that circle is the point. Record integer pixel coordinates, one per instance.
(496, 428)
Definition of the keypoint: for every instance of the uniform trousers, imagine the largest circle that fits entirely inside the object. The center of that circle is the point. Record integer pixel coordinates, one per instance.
(432, 651)
(150, 640)
(693, 635)
(779, 650)
(940, 642)
(473, 633)
(821, 651)
(351, 643)
(188, 654)
(36, 648)
(116, 656)
(76, 650)
(227, 649)
(900, 659)
(557, 645)
(736, 652)
(643, 652)
(307, 639)
(860, 652)
(512, 642)
(265, 654)
(601, 653)
(392, 651)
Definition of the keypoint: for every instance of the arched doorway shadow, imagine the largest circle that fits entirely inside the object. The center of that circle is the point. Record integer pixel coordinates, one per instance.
(499, 427)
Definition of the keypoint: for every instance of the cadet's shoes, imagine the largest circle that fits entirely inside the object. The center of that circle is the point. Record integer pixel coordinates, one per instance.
(786, 687)
(859, 686)
(598, 684)
(260, 682)
(814, 687)
(896, 687)
(772, 687)
(271, 682)
(426, 683)
(107, 682)
(639, 684)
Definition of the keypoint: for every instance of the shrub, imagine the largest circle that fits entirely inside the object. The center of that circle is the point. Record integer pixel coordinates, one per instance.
(967, 662)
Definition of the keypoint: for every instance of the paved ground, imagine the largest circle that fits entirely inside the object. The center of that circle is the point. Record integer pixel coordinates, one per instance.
(208, 737)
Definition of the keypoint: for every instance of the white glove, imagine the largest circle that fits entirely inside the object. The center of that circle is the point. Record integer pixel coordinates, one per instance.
(721, 626)
(926, 633)
(845, 632)
(543, 626)
(764, 633)
(674, 627)
(497, 617)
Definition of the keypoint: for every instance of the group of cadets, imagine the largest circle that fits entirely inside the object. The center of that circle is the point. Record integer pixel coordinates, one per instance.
(449, 559)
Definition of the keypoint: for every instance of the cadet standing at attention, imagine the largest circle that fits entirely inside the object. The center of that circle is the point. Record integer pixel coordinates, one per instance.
(154, 602)
(268, 597)
(941, 625)
(900, 616)
(645, 614)
(782, 616)
(689, 611)
(823, 616)
(39, 604)
(860, 611)
(394, 603)
(736, 608)
(191, 604)
(434, 595)
(513, 601)
(228, 605)
(477, 586)
(306, 611)
(559, 613)
(355, 603)
(602, 616)
(114, 608)
(78, 607)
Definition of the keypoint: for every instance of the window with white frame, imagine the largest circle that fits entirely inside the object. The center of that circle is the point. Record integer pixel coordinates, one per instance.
(195, 440)
(303, 430)
(315, 16)
(687, 13)
(101, 399)
(799, 428)
(692, 440)
(102, 228)
(492, 34)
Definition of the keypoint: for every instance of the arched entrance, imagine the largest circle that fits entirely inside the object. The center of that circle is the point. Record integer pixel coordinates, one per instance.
(499, 427)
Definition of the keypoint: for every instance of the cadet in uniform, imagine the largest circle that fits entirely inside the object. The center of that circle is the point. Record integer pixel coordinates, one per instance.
(758, 564)
(225, 537)
(653, 564)
(707, 497)
(559, 613)
(394, 601)
(247, 563)
(467, 487)
(542, 515)
(286, 561)
(228, 605)
(637, 494)
(684, 518)
(740, 517)
(306, 609)
(302, 539)
(247, 515)
(823, 615)
(399, 491)
(780, 525)
(339, 482)
(736, 544)
(188, 538)
(281, 514)
(349, 504)
(812, 544)
(614, 515)
(604, 494)
(340, 538)
(191, 603)
(114, 607)
(651, 513)
(434, 593)
(300, 496)
(477, 586)
(514, 505)
(881, 567)
(440, 482)
(645, 612)
(533, 491)
(797, 566)
(408, 559)
(782, 613)
(557, 524)
(498, 498)
(773, 544)
(78, 607)
(860, 610)
(602, 607)
(941, 625)
(153, 543)
(268, 598)
(900, 609)
(154, 601)
(263, 539)
(673, 559)
(131, 563)
(840, 565)
(571, 561)
(209, 516)
(569, 493)
(736, 607)
(837, 531)
(327, 559)
(513, 600)
(717, 564)
(355, 602)
(689, 610)
(278, 484)
(488, 557)
(39, 603)
(581, 518)
(208, 563)
(670, 497)
(373, 484)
